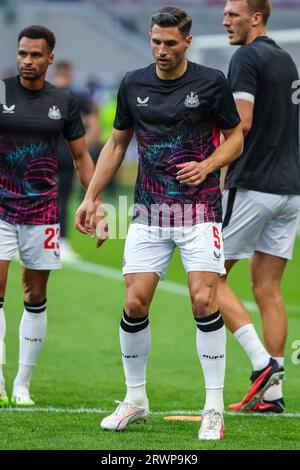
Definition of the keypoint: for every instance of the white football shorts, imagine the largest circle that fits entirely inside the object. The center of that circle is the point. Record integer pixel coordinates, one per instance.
(38, 244)
(256, 221)
(150, 248)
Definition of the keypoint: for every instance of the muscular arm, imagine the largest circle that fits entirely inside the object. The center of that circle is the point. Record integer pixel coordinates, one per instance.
(108, 164)
(82, 161)
(109, 161)
(195, 173)
(245, 110)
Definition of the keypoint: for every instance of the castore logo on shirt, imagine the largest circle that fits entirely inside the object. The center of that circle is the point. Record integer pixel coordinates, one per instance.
(8, 109)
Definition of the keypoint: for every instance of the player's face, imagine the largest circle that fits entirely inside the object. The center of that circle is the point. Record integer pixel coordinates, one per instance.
(238, 21)
(34, 57)
(168, 47)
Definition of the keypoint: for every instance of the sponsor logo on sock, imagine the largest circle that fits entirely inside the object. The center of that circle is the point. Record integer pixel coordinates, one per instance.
(34, 340)
(207, 356)
(130, 357)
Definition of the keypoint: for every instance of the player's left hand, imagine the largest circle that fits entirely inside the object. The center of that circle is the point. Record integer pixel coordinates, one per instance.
(192, 173)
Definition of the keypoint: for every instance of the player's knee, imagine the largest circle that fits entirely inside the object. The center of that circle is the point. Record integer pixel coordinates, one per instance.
(223, 280)
(201, 304)
(258, 292)
(266, 292)
(136, 306)
(34, 295)
(2, 289)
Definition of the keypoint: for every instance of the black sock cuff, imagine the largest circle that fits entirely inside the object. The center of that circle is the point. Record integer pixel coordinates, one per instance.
(133, 325)
(35, 308)
(211, 323)
(1, 302)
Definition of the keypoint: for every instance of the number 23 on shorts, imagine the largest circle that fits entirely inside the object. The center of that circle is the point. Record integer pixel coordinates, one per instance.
(51, 241)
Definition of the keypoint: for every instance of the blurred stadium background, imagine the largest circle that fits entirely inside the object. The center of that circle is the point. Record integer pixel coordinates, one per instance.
(105, 38)
(80, 366)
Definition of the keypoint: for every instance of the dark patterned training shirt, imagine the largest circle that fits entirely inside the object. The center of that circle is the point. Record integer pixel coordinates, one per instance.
(175, 121)
(30, 125)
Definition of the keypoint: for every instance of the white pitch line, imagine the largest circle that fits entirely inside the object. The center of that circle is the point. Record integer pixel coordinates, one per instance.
(165, 286)
(154, 413)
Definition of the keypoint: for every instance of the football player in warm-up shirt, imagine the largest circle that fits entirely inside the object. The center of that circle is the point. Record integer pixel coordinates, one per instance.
(33, 113)
(176, 108)
(262, 196)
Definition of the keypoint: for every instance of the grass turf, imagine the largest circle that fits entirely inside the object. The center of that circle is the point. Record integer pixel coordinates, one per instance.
(80, 365)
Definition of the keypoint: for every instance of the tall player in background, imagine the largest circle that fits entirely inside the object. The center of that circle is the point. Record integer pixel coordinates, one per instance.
(262, 197)
(33, 114)
(176, 109)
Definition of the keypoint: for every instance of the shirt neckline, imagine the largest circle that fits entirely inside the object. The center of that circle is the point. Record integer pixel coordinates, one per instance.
(26, 90)
(168, 81)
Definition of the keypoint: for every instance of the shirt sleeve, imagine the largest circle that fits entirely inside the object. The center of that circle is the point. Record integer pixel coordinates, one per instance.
(123, 119)
(243, 71)
(223, 105)
(73, 128)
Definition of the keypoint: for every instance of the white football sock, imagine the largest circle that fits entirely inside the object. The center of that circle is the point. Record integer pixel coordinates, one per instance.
(23, 376)
(249, 340)
(135, 349)
(2, 344)
(211, 348)
(137, 396)
(214, 399)
(275, 392)
(31, 334)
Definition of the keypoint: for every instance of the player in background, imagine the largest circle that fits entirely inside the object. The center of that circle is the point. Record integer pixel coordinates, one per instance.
(176, 109)
(33, 114)
(261, 202)
(63, 77)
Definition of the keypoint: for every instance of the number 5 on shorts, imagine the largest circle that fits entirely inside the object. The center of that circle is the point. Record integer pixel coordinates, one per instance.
(216, 235)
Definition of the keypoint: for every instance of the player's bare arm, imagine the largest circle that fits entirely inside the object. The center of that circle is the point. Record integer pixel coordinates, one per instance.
(245, 110)
(84, 166)
(83, 162)
(108, 164)
(195, 173)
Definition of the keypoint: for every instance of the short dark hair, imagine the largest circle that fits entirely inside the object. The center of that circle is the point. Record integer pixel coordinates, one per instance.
(172, 16)
(62, 66)
(38, 32)
(262, 6)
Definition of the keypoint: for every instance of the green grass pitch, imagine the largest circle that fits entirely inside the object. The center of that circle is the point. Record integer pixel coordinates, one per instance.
(80, 365)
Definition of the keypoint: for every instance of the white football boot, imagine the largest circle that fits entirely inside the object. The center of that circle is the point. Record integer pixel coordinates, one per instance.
(21, 397)
(212, 427)
(125, 414)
